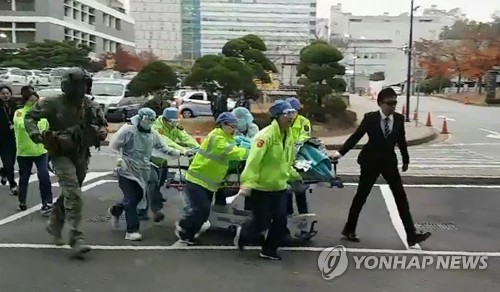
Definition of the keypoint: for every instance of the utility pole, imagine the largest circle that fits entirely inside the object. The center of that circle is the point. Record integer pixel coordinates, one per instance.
(354, 58)
(408, 77)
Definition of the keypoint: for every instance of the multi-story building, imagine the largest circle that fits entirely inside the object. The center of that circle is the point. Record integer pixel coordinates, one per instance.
(84, 21)
(158, 27)
(286, 26)
(378, 43)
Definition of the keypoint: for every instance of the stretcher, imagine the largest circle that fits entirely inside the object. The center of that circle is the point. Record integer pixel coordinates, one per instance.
(233, 214)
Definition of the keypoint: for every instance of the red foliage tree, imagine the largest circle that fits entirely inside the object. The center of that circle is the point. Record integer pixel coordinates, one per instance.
(126, 61)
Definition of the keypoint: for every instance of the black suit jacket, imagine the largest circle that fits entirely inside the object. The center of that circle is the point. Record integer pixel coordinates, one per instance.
(379, 151)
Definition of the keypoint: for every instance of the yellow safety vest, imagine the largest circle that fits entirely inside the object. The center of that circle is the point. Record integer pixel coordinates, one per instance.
(210, 165)
(269, 166)
(301, 129)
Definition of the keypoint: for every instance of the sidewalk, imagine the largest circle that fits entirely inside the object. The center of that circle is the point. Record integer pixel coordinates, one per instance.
(415, 135)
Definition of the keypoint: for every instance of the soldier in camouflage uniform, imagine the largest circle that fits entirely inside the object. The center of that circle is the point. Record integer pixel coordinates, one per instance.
(76, 124)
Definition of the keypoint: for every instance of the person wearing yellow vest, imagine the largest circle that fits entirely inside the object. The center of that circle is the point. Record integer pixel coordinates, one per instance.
(168, 126)
(266, 177)
(206, 174)
(301, 131)
(29, 153)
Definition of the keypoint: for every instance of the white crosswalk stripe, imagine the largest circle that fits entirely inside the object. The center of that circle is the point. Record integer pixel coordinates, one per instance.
(445, 158)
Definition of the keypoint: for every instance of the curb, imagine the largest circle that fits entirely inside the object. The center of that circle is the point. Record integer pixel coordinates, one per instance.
(431, 180)
(414, 142)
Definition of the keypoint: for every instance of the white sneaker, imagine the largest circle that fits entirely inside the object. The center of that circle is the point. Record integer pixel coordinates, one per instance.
(136, 236)
(205, 226)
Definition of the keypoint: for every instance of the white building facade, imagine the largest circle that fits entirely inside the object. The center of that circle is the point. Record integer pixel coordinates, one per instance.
(378, 43)
(158, 27)
(90, 22)
(286, 26)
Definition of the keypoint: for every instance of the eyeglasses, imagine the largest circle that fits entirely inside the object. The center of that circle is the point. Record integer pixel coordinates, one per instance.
(391, 102)
(290, 114)
(232, 126)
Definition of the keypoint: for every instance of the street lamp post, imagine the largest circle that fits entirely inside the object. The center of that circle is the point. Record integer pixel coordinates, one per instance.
(408, 76)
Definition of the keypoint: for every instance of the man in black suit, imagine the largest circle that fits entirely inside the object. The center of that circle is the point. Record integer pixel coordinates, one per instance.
(385, 129)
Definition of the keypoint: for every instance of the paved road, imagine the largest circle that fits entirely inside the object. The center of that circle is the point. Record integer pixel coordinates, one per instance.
(436, 159)
(462, 218)
(471, 127)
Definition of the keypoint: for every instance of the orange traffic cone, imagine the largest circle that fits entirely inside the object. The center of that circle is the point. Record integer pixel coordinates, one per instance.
(444, 129)
(429, 122)
(466, 100)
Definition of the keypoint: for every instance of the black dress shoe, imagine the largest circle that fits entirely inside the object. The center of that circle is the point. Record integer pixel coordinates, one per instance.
(418, 238)
(350, 236)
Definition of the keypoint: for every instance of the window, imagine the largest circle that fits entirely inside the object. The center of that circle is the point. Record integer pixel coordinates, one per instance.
(5, 24)
(24, 37)
(24, 5)
(355, 20)
(5, 5)
(196, 96)
(5, 36)
(25, 25)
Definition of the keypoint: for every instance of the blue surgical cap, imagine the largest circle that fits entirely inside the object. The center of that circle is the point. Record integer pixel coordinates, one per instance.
(226, 117)
(280, 107)
(242, 113)
(170, 113)
(144, 112)
(294, 102)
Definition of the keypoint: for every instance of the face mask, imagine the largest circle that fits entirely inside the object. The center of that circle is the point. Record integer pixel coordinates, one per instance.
(242, 126)
(146, 125)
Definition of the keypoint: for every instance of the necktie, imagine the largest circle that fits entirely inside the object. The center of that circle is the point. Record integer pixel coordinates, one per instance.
(387, 130)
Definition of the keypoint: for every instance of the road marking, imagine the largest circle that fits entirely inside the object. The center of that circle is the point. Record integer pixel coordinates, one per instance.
(493, 134)
(438, 186)
(90, 176)
(447, 119)
(36, 208)
(465, 144)
(394, 215)
(229, 247)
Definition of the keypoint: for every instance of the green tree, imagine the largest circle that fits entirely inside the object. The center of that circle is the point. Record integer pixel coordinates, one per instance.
(49, 54)
(229, 74)
(321, 70)
(251, 48)
(153, 77)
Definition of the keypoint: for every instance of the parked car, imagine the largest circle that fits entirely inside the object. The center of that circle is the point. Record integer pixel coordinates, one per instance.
(106, 75)
(116, 100)
(55, 75)
(191, 108)
(12, 75)
(49, 92)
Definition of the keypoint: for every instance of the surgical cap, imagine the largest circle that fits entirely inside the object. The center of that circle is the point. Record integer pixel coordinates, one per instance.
(280, 107)
(226, 117)
(242, 113)
(144, 112)
(294, 102)
(170, 113)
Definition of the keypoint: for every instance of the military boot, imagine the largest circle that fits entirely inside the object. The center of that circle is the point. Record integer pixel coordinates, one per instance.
(79, 249)
(57, 237)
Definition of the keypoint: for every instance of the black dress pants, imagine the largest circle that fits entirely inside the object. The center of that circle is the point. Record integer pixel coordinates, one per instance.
(369, 175)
